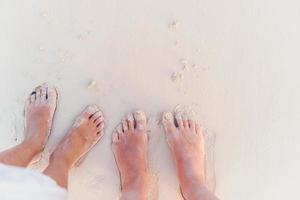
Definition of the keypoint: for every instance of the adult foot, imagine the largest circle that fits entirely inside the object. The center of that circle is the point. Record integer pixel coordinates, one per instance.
(39, 111)
(130, 145)
(84, 134)
(186, 142)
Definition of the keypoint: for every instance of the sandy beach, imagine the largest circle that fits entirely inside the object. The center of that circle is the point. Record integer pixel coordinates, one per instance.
(234, 64)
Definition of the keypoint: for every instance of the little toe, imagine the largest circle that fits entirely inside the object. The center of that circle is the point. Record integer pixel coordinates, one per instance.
(140, 120)
(179, 120)
(168, 121)
(100, 134)
(100, 128)
(115, 137)
(130, 121)
(120, 131)
(33, 97)
(198, 129)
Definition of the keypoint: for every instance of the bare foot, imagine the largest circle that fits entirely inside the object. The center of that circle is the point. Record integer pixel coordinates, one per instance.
(85, 133)
(39, 111)
(130, 145)
(186, 142)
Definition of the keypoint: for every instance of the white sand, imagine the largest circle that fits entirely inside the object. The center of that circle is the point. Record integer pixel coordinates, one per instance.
(245, 86)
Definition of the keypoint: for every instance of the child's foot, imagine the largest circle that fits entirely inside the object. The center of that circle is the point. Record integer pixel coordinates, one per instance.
(186, 142)
(39, 111)
(130, 149)
(85, 133)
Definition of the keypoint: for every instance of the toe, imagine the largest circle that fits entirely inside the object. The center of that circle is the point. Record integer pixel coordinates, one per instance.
(185, 120)
(90, 110)
(179, 121)
(115, 137)
(191, 124)
(43, 92)
(96, 115)
(124, 125)
(98, 120)
(168, 121)
(99, 135)
(38, 91)
(51, 94)
(140, 120)
(33, 97)
(130, 121)
(119, 130)
(100, 126)
(198, 129)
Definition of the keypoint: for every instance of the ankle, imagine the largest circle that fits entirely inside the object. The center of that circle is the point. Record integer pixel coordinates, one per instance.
(58, 171)
(192, 187)
(61, 160)
(135, 187)
(198, 192)
(32, 146)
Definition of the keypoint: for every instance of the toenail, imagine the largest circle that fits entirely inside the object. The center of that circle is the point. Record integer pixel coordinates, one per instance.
(168, 116)
(129, 117)
(139, 115)
(92, 109)
(139, 112)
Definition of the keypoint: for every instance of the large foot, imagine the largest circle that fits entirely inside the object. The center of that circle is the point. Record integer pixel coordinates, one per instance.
(39, 111)
(85, 133)
(186, 142)
(130, 149)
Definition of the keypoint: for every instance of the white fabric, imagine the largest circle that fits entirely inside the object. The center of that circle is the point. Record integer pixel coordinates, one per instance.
(25, 184)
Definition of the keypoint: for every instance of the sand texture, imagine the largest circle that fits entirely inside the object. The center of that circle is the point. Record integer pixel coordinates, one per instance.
(234, 63)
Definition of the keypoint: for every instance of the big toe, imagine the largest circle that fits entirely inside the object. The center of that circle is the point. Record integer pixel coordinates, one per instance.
(86, 115)
(140, 120)
(115, 137)
(90, 110)
(168, 121)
